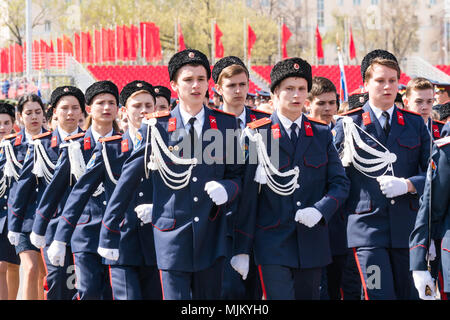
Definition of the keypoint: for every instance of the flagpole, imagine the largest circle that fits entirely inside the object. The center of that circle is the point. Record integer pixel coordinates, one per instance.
(279, 38)
(245, 42)
(213, 43)
(175, 31)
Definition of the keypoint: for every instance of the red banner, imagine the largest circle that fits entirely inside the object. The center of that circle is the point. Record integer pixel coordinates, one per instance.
(77, 40)
(285, 35)
(120, 43)
(150, 43)
(219, 46)
(319, 48)
(181, 44)
(351, 49)
(87, 50)
(251, 39)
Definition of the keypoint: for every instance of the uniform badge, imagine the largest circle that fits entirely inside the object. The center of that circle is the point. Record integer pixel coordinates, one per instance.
(366, 118)
(90, 164)
(276, 133)
(1, 154)
(296, 66)
(59, 160)
(66, 90)
(156, 90)
(138, 140)
(308, 129)
(87, 143)
(54, 142)
(172, 124)
(213, 122)
(252, 117)
(400, 118)
(139, 85)
(245, 151)
(124, 145)
(432, 164)
(27, 155)
(191, 55)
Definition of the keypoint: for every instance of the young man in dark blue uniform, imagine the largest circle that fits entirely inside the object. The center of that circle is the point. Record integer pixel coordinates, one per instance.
(68, 103)
(385, 151)
(132, 267)
(433, 222)
(231, 77)
(80, 226)
(298, 185)
(189, 192)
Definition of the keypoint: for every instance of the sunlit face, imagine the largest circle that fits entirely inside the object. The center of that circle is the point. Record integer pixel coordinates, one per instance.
(441, 96)
(6, 124)
(421, 101)
(382, 86)
(68, 112)
(234, 90)
(104, 108)
(32, 117)
(191, 84)
(138, 106)
(162, 104)
(323, 106)
(290, 96)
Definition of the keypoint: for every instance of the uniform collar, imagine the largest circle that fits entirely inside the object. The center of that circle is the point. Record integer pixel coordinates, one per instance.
(287, 122)
(63, 134)
(379, 113)
(97, 135)
(29, 137)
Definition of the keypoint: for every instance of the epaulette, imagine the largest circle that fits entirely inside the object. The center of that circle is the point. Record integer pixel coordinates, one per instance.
(42, 135)
(351, 111)
(75, 136)
(10, 136)
(317, 121)
(158, 114)
(442, 142)
(259, 123)
(224, 112)
(112, 138)
(411, 112)
(262, 111)
(440, 122)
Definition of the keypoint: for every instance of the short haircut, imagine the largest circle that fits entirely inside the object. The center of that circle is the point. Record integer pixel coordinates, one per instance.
(8, 109)
(321, 85)
(231, 71)
(384, 62)
(418, 83)
(30, 97)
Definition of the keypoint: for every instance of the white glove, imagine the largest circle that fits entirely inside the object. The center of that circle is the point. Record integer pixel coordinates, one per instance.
(56, 253)
(144, 212)
(392, 186)
(308, 216)
(240, 263)
(37, 240)
(432, 251)
(421, 280)
(110, 254)
(13, 237)
(216, 192)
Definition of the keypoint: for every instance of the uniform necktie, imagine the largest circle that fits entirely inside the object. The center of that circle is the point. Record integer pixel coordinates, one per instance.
(239, 123)
(294, 136)
(387, 125)
(192, 134)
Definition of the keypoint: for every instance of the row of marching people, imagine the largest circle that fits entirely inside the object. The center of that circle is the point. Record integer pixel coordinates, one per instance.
(181, 207)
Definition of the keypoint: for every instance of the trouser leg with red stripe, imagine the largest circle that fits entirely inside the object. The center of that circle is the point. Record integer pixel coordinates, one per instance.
(385, 273)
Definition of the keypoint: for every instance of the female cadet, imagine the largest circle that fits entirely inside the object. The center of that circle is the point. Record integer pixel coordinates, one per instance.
(31, 112)
(9, 260)
(68, 104)
(133, 270)
(80, 225)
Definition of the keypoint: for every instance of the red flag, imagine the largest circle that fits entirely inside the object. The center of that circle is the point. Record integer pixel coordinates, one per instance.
(77, 40)
(351, 49)
(97, 47)
(105, 45)
(67, 45)
(112, 44)
(3, 60)
(126, 43)
(120, 42)
(285, 35)
(251, 38)
(134, 42)
(151, 45)
(87, 53)
(181, 45)
(319, 48)
(157, 54)
(18, 58)
(219, 46)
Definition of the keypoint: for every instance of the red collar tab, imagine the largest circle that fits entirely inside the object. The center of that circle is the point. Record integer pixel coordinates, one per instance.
(125, 146)
(18, 141)
(172, 124)
(213, 122)
(276, 132)
(308, 129)
(87, 143)
(400, 118)
(366, 118)
(54, 142)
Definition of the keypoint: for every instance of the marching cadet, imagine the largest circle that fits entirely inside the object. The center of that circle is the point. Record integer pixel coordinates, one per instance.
(385, 151)
(191, 185)
(9, 260)
(442, 93)
(163, 95)
(433, 221)
(232, 82)
(132, 267)
(80, 225)
(68, 103)
(419, 98)
(21, 208)
(299, 183)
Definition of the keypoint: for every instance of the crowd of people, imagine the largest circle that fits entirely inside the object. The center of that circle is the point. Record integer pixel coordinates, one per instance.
(280, 195)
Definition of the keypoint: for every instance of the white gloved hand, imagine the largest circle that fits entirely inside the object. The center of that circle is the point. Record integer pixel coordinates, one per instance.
(421, 280)
(216, 192)
(13, 237)
(308, 216)
(432, 251)
(392, 186)
(240, 263)
(144, 212)
(37, 240)
(57, 253)
(110, 254)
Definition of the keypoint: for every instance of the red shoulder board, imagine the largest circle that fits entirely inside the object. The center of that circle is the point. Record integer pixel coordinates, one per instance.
(436, 132)
(125, 146)
(258, 123)
(42, 135)
(308, 129)
(158, 114)
(400, 118)
(10, 136)
(262, 111)
(442, 142)
(351, 111)
(112, 138)
(224, 112)
(409, 111)
(54, 142)
(18, 141)
(366, 118)
(75, 136)
(440, 122)
(316, 120)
